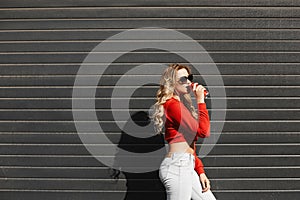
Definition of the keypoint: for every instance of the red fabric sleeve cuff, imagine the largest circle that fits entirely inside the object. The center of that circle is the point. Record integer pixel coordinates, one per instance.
(201, 106)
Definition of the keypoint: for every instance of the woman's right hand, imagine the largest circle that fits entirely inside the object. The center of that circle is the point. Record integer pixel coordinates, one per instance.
(199, 92)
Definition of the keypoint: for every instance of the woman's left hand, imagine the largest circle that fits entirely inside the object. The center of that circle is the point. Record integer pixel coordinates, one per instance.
(205, 182)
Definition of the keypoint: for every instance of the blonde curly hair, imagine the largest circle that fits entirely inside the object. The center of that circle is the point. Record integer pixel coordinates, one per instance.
(166, 91)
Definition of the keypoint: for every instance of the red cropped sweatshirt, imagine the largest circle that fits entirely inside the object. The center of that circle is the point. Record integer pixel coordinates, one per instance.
(181, 126)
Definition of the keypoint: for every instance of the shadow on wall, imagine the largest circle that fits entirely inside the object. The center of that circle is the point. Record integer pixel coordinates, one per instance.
(140, 185)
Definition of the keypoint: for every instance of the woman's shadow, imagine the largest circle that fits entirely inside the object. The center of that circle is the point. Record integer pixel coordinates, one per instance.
(145, 185)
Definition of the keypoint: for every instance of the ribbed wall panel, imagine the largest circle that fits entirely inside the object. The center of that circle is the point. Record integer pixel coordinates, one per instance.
(255, 45)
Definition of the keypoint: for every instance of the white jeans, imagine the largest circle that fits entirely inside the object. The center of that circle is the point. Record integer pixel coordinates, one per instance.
(181, 180)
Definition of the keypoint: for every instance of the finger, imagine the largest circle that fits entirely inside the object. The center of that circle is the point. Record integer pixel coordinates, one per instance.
(208, 185)
(195, 86)
(200, 87)
(203, 89)
(203, 186)
(205, 189)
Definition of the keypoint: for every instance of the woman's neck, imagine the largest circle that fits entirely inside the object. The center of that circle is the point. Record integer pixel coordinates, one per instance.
(176, 96)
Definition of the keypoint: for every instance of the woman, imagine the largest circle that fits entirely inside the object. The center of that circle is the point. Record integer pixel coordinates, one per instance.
(182, 171)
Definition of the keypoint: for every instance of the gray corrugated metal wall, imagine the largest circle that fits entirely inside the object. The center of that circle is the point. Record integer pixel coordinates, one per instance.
(255, 45)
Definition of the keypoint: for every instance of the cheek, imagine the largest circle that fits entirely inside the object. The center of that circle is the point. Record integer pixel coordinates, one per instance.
(180, 88)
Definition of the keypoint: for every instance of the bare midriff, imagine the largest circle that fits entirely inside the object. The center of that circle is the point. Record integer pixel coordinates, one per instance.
(181, 147)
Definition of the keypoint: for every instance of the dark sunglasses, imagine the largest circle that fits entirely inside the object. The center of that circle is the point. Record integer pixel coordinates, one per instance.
(183, 79)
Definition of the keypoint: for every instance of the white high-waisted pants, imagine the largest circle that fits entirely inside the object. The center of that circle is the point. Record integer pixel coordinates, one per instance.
(181, 180)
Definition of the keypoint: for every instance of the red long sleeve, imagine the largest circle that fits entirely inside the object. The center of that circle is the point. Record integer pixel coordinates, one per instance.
(199, 168)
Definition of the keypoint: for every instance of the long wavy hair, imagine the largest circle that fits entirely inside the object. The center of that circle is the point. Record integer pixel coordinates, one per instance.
(166, 91)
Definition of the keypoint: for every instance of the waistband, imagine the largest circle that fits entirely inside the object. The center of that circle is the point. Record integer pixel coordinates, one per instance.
(179, 155)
